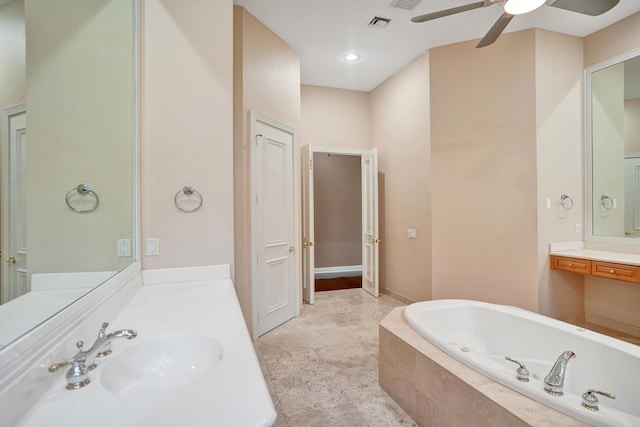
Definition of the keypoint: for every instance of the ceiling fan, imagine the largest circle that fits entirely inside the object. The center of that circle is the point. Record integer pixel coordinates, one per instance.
(519, 7)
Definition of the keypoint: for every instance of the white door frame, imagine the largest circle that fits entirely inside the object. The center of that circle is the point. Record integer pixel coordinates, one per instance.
(370, 223)
(308, 232)
(256, 221)
(337, 151)
(9, 230)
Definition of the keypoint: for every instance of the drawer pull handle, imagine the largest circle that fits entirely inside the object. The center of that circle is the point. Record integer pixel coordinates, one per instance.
(612, 271)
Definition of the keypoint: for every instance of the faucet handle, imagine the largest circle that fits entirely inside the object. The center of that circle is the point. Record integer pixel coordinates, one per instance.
(103, 329)
(57, 366)
(522, 373)
(590, 401)
(106, 350)
(74, 359)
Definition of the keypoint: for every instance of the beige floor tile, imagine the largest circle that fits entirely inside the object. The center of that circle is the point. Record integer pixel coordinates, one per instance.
(321, 368)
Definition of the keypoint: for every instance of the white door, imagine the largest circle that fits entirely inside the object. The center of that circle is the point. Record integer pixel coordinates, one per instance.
(14, 231)
(308, 251)
(370, 238)
(274, 224)
(632, 197)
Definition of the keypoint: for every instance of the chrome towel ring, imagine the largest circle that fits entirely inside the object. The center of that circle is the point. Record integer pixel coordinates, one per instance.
(607, 202)
(80, 192)
(188, 199)
(566, 202)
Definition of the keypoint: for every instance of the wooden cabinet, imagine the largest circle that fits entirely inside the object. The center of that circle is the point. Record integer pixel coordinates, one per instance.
(576, 265)
(628, 273)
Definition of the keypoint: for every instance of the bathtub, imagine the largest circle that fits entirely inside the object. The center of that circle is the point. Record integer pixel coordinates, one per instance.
(480, 335)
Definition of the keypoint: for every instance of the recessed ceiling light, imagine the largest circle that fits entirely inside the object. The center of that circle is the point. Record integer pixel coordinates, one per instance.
(351, 57)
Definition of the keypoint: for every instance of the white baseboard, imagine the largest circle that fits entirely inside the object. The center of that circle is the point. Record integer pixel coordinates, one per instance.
(339, 271)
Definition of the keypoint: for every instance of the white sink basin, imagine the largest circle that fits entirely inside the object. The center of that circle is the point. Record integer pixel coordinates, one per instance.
(161, 364)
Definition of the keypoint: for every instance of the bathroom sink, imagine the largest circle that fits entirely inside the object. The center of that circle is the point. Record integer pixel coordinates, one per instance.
(161, 364)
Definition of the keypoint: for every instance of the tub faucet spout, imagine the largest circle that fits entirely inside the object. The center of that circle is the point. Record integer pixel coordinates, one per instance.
(554, 381)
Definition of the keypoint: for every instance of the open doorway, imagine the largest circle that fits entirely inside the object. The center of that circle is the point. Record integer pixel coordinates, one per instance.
(337, 188)
(339, 185)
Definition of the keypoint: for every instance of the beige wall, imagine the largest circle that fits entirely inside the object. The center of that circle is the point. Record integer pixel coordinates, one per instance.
(400, 130)
(560, 160)
(337, 196)
(612, 41)
(632, 126)
(267, 81)
(609, 302)
(86, 55)
(483, 136)
(335, 117)
(12, 54)
(187, 134)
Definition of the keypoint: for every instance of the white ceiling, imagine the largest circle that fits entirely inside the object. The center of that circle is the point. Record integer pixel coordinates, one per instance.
(322, 31)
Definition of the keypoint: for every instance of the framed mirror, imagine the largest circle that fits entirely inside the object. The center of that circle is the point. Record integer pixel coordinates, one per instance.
(612, 107)
(69, 126)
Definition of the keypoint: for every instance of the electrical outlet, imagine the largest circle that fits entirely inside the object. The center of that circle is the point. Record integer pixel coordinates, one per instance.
(153, 247)
(124, 247)
(411, 233)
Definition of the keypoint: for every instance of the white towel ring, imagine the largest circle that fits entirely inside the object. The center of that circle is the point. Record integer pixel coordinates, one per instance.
(188, 199)
(81, 191)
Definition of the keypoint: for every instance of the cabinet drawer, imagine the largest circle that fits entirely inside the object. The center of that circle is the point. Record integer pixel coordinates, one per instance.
(571, 264)
(627, 273)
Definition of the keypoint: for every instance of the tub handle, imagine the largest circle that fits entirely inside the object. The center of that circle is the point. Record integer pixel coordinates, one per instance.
(590, 401)
(522, 373)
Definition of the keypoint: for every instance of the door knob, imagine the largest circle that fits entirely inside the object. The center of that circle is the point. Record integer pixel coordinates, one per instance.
(12, 260)
(308, 244)
(292, 249)
(375, 240)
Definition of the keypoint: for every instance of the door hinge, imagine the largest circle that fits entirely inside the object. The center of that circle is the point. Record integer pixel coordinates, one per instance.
(310, 164)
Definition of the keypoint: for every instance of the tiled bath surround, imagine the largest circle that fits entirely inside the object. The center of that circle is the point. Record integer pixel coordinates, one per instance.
(436, 389)
(322, 367)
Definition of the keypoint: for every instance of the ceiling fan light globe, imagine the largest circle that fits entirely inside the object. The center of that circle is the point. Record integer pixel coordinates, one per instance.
(518, 7)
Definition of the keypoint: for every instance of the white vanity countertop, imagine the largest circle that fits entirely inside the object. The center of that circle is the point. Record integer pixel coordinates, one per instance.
(233, 394)
(595, 255)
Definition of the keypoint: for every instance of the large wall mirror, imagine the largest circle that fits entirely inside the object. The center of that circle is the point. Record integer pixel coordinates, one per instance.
(613, 150)
(68, 102)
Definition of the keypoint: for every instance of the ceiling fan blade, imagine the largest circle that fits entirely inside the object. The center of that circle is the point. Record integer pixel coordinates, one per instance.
(586, 7)
(496, 30)
(452, 11)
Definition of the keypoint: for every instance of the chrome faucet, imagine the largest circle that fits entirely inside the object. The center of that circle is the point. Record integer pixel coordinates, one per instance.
(84, 361)
(554, 381)
(102, 345)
